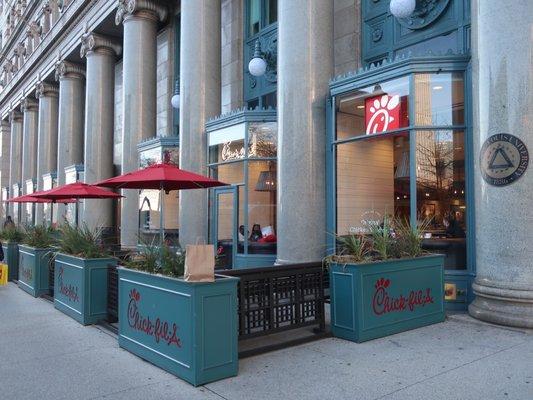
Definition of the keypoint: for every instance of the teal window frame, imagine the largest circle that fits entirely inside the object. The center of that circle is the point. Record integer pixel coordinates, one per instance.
(389, 71)
(263, 23)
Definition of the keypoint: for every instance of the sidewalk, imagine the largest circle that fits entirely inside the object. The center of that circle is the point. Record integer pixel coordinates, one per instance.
(46, 355)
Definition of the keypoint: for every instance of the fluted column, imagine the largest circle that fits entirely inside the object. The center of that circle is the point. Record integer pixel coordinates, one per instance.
(199, 101)
(140, 20)
(47, 137)
(5, 139)
(15, 157)
(71, 79)
(101, 53)
(305, 66)
(29, 151)
(502, 78)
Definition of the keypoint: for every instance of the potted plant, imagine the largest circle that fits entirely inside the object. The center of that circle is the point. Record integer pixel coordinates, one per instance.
(383, 283)
(80, 274)
(187, 328)
(35, 253)
(11, 237)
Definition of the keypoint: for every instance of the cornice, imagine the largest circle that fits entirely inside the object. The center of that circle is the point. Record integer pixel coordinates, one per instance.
(93, 42)
(69, 70)
(147, 8)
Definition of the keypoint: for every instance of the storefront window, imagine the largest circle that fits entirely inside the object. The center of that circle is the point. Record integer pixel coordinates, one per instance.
(375, 109)
(378, 149)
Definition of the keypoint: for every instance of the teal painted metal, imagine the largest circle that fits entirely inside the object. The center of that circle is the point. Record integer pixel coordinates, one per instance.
(188, 329)
(245, 261)
(80, 287)
(11, 258)
(34, 270)
(373, 300)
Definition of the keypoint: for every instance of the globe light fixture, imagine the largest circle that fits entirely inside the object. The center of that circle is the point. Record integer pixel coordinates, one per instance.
(175, 101)
(402, 8)
(257, 65)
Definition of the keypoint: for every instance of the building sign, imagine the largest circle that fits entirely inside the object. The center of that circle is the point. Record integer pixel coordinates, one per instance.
(503, 159)
(384, 303)
(68, 290)
(382, 113)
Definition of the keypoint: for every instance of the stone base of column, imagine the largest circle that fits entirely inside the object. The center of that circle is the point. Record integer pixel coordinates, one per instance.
(502, 304)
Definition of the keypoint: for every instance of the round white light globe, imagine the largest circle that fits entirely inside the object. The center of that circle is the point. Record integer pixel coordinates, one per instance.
(402, 8)
(257, 66)
(175, 101)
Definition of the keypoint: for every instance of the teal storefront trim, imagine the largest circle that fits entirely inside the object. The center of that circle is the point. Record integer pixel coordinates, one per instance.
(378, 299)
(11, 258)
(34, 270)
(187, 328)
(407, 66)
(80, 287)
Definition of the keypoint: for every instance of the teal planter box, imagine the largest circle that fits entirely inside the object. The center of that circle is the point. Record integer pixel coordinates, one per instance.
(377, 299)
(33, 270)
(80, 287)
(188, 329)
(11, 258)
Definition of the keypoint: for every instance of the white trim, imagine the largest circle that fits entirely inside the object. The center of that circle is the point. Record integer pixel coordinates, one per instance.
(66, 305)
(155, 351)
(25, 284)
(156, 287)
(69, 264)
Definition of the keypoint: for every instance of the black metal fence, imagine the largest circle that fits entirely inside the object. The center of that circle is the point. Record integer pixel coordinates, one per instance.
(112, 293)
(275, 299)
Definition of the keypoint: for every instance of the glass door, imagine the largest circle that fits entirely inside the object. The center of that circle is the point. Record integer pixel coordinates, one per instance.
(224, 227)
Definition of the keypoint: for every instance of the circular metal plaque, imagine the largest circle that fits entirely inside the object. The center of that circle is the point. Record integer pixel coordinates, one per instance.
(503, 159)
(425, 13)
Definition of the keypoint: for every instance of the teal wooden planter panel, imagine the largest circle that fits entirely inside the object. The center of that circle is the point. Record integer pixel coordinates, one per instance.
(33, 270)
(188, 329)
(11, 258)
(373, 300)
(80, 287)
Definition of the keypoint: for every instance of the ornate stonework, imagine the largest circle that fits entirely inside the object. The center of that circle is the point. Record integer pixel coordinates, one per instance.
(28, 104)
(15, 116)
(93, 42)
(149, 8)
(66, 69)
(46, 89)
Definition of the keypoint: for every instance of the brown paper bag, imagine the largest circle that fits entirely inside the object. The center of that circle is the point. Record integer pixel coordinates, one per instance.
(199, 263)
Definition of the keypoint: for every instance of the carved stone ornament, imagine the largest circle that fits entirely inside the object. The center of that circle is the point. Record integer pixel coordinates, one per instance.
(426, 12)
(28, 104)
(46, 89)
(127, 8)
(15, 116)
(93, 42)
(66, 69)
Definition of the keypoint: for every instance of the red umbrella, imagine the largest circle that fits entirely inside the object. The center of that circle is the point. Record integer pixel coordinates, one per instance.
(76, 190)
(165, 177)
(29, 198)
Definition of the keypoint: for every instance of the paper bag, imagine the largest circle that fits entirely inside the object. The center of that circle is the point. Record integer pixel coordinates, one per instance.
(199, 263)
(3, 274)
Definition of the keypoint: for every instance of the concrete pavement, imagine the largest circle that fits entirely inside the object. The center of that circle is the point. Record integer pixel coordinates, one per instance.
(46, 355)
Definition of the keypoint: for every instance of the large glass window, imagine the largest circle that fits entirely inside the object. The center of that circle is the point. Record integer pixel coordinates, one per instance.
(389, 131)
(261, 13)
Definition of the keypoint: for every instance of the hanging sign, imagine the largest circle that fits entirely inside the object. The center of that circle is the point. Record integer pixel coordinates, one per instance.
(503, 159)
(382, 113)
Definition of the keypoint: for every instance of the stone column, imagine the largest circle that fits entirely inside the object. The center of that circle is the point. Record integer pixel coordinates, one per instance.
(199, 101)
(305, 66)
(140, 20)
(100, 52)
(29, 150)
(15, 156)
(503, 103)
(47, 137)
(5, 144)
(71, 79)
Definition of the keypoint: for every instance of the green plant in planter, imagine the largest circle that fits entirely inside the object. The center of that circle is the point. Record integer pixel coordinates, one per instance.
(12, 234)
(383, 241)
(81, 241)
(409, 238)
(167, 260)
(39, 236)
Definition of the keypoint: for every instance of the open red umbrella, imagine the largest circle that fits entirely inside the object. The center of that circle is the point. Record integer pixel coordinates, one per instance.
(29, 198)
(165, 177)
(76, 190)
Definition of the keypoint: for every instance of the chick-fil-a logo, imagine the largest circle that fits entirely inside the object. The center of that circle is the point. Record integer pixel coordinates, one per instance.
(70, 291)
(159, 330)
(383, 303)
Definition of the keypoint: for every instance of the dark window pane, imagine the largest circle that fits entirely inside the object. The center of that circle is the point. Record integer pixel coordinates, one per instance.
(272, 11)
(254, 16)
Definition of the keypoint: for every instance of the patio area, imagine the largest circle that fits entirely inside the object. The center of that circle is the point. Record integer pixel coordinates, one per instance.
(47, 355)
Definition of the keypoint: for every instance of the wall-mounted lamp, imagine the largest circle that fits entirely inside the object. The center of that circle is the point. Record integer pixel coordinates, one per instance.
(257, 65)
(175, 101)
(402, 8)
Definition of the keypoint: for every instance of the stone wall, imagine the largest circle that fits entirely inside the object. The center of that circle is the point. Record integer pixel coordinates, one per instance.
(347, 35)
(232, 54)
